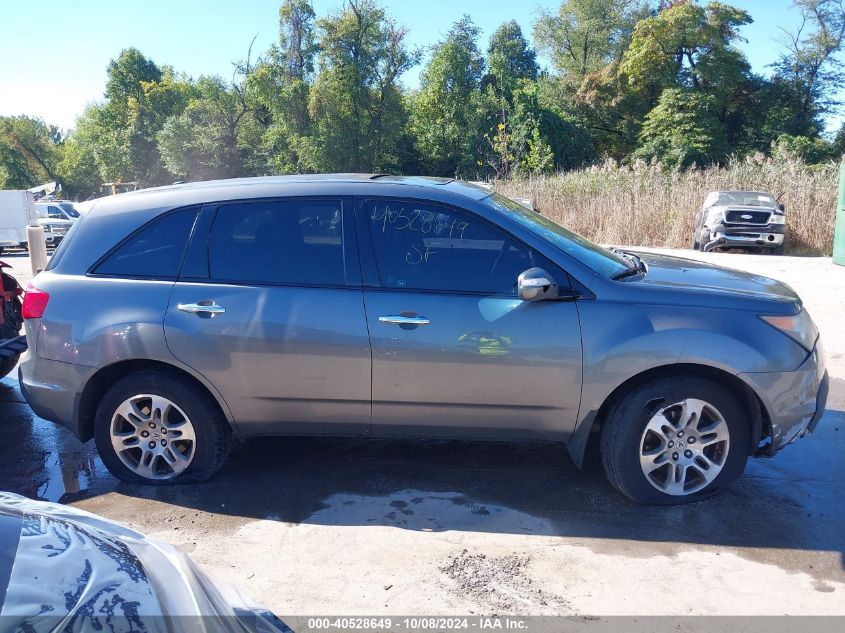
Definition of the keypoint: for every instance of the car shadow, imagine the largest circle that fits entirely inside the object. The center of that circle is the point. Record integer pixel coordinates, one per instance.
(791, 502)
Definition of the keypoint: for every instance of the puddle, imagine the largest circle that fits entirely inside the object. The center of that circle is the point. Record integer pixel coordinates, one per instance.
(41, 460)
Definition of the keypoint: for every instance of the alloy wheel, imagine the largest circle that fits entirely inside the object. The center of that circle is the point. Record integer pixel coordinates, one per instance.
(152, 436)
(684, 447)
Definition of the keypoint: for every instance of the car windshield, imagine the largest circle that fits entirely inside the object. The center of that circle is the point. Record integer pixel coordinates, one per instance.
(746, 198)
(595, 257)
(68, 208)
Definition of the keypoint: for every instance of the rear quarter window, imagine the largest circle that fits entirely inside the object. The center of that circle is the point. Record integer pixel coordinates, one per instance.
(154, 251)
(61, 249)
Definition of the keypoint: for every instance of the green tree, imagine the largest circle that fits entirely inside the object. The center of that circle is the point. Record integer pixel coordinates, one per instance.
(216, 135)
(809, 74)
(30, 151)
(282, 84)
(510, 57)
(586, 35)
(356, 102)
(688, 45)
(444, 114)
(683, 129)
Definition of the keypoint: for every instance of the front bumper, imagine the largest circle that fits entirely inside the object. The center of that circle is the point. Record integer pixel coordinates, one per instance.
(794, 400)
(766, 236)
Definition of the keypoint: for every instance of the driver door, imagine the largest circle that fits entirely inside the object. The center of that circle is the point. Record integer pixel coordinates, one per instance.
(455, 352)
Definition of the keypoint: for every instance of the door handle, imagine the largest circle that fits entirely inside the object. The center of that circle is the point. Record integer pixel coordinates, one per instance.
(203, 307)
(399, 319)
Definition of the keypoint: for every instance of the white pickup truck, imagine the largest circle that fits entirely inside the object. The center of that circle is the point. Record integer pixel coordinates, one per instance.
(17, 211)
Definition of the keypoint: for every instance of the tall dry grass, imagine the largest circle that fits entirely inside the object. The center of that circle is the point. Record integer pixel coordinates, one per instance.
(646, 206)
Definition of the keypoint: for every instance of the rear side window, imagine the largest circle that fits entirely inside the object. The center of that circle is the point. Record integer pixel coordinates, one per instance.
(284, 242)
(155, 251)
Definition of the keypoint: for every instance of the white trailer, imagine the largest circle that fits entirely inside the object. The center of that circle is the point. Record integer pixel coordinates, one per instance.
(17, 211)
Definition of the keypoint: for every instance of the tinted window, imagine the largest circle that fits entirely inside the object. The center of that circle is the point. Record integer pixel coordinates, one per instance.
(154, 251)
(427, 247)
(296, 242)
(59, 253)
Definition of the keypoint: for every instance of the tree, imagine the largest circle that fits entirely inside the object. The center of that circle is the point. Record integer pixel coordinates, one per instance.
(282, 84)
(444, 114)
(126, 74)
(690, 46)
(509, 56)
(29, 152)
(356, 102)
(809, 70)
(683, 129)
(214, 137)
(586, 35)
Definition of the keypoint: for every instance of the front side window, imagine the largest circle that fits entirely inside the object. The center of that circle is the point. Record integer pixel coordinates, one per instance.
(155, 251)
(427, 247)
(287, 242)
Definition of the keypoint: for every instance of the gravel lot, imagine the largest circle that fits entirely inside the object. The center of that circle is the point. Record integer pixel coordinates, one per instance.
(317, 527)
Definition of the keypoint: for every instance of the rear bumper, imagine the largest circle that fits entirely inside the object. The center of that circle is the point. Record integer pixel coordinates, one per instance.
(52, 388)
(794, 400)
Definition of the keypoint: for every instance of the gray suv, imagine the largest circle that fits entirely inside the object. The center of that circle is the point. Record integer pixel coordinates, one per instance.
(172, 320)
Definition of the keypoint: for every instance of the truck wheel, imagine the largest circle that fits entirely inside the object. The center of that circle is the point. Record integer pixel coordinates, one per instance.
(705, 239)
(674, 440)
(156, 427)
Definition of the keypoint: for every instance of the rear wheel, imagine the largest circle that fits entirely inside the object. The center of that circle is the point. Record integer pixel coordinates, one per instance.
(157, 427)
(675, 440)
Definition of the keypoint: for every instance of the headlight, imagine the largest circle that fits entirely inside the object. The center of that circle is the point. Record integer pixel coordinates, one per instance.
(799, 327)
(714, 216)
(778, 218)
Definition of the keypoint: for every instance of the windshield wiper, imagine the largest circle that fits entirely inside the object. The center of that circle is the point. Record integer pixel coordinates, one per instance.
(628, 272)
(635, 265)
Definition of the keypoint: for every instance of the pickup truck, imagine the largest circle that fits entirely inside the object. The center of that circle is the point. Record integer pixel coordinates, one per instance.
(740, 219)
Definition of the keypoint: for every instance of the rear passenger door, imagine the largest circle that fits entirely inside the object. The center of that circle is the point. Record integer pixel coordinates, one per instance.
(269, 309)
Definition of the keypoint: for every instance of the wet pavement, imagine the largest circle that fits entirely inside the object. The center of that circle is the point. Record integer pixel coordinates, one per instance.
(358, 503)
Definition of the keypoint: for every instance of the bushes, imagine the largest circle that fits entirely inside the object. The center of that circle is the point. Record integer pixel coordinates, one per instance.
(645, 205)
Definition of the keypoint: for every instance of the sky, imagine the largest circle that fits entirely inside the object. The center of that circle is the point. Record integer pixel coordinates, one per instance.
(54, 53)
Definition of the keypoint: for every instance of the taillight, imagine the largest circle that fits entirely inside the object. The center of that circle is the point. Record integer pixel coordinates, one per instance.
(34, 302)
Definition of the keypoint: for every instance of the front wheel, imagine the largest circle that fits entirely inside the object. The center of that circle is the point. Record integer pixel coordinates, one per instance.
(157, 427)
(675, 440)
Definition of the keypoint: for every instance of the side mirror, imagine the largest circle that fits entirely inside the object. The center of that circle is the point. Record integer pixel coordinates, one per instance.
(535, 284)
(782, 207)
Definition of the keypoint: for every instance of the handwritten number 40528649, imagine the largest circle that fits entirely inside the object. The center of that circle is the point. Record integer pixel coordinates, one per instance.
(423, 221)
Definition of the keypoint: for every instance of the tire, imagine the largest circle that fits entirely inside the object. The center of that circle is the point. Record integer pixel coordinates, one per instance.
(777, 250)
(184, 459)
(12, 324)
(720, 433)
(8, 364)
(12, 319)
(705, 239)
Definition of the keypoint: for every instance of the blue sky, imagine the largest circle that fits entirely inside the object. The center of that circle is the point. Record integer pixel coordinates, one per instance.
(53, 53)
